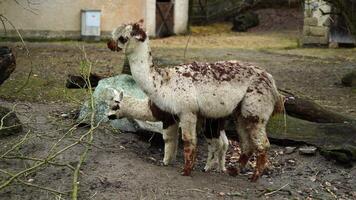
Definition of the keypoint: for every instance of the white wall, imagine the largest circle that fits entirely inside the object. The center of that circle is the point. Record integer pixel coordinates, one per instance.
(150, 15)
(181, 9)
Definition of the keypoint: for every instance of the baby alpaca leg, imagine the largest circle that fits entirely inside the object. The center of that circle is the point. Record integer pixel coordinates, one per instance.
(223, 147)
(170, 137)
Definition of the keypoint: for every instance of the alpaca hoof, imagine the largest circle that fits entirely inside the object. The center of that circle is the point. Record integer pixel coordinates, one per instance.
(255, 177)
(165, 162)
(232, 171)
(222, 170)
(206, 169)
(186, 172)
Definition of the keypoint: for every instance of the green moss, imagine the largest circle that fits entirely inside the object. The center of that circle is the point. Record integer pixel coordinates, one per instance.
(39, 90)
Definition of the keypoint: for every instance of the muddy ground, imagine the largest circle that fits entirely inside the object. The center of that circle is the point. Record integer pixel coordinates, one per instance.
(127, 165)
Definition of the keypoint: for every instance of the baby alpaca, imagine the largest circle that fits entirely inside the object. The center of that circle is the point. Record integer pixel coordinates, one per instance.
(121, 105)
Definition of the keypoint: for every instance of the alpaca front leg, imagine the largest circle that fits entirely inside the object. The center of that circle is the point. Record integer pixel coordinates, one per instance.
(224, 145)
(188, 130)
(170, 137)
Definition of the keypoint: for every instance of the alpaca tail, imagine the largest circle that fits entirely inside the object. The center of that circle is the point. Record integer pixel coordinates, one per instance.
(279, 99)
(279, 104)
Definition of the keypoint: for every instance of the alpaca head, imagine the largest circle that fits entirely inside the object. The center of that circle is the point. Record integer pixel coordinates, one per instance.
(113, 102)
(127, 35)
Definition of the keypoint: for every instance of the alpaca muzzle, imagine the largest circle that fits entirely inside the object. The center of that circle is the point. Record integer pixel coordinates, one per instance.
(112, 45)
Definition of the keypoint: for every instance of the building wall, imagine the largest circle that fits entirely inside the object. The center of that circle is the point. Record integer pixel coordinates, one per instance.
(61, 18)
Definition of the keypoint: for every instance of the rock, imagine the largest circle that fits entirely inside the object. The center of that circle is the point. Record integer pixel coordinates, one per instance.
(289, 150)
(102, 92)
(349, 80)
(307, 150)
(244, 21)
(7, 63)
(11, 124)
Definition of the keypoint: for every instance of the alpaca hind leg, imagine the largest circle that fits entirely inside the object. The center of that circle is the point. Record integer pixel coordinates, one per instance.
(170, 137)
(187, 126)
(261, 144)
(261, 162)
(245, 145)
(256, 108)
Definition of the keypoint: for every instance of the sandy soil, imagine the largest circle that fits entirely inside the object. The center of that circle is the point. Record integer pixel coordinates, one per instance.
(127, 166)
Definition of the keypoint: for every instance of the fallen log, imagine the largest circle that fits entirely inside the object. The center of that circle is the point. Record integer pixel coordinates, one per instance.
(7, 63)
(311, 111)
(334, 140)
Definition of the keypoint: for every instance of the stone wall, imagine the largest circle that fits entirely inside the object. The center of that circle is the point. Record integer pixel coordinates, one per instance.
(316, 22)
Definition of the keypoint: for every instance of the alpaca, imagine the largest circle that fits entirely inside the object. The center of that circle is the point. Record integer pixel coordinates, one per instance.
(211, 90)
(121, 106)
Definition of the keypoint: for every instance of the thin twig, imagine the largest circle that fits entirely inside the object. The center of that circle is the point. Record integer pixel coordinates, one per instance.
(186, 46)
(86, 75)
(3, 25)
(16, 145)
(274, 191)
(39, 159)
(33, 185)
(6, 115)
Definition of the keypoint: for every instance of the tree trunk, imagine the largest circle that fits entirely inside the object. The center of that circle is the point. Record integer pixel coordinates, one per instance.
(7, 63)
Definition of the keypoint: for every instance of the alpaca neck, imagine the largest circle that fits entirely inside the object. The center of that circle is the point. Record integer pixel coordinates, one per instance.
(137, 109)
(140, 60)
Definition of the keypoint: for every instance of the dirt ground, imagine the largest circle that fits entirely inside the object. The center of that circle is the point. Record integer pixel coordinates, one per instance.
(127, 165)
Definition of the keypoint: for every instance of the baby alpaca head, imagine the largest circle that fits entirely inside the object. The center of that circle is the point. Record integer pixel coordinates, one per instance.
(114, 101)
(125, 34)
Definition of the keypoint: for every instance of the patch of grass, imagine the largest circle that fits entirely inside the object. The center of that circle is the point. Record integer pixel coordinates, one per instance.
(220, 36)
(39, 90)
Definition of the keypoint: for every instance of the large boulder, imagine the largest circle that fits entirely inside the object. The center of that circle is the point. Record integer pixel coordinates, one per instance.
(103, 92)
(10, 124)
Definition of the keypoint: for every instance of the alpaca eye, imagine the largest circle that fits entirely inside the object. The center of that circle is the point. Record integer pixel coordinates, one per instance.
(123, 40)
(117, 107)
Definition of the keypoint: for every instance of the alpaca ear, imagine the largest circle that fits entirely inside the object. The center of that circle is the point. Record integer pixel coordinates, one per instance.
(140, 22)
(137, 31)
(121, 95)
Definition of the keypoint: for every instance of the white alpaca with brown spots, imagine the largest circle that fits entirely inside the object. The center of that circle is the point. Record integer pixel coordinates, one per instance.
(211, 90)
(121, 106)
